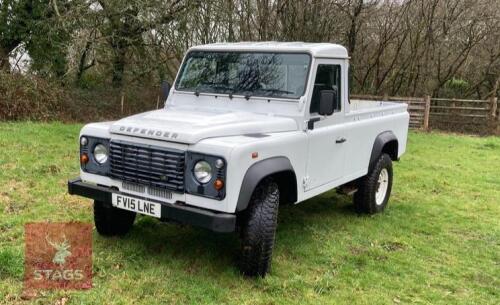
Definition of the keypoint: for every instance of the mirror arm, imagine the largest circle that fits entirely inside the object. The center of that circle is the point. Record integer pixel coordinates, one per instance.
(310, 123)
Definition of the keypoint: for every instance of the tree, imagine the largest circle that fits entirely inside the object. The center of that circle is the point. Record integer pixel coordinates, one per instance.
(15, 17)
(125, 22)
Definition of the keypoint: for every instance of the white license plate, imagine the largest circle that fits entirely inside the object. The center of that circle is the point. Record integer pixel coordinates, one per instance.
(136, 205)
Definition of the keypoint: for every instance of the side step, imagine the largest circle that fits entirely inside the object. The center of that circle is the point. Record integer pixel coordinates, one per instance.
(347, 189)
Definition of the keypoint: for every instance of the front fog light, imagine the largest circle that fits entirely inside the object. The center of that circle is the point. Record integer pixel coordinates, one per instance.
(202, 171)
(100, 154)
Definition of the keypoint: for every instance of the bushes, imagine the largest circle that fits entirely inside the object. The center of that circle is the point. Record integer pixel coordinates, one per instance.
(29, 98)
(32, 98)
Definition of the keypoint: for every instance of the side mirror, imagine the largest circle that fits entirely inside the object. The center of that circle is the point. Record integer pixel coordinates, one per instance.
(327, 102)
(165, 90)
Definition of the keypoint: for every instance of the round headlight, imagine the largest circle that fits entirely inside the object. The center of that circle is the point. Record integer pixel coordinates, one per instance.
(202, 171)
(100, 153)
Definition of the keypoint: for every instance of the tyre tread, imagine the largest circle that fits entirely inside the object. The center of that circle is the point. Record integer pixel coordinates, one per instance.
(259, 229)
(364, 198)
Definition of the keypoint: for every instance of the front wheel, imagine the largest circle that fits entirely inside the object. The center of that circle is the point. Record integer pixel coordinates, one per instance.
(258, 229)
(374, 189)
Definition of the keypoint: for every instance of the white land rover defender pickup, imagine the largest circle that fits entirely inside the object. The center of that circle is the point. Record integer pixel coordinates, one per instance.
(245, 128)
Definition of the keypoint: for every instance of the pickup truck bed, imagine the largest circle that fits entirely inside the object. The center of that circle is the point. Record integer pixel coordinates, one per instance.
(367, 105)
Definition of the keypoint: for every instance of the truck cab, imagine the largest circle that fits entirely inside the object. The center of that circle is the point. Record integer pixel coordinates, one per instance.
(245, 128)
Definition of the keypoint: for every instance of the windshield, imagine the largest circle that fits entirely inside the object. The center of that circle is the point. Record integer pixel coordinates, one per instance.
(250, 74)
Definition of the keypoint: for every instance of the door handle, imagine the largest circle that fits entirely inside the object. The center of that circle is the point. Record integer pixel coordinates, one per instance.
(341, 140)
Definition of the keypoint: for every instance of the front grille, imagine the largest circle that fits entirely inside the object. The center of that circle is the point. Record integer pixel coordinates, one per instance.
(147, 165)
(139, 188)
(154, 191)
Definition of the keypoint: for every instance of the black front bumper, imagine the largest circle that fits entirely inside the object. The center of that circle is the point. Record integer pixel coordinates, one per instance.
(218, 222)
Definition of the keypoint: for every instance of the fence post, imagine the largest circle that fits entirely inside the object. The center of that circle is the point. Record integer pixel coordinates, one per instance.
(427, 111)
(122, 102)
(495, 121)
(493, 107)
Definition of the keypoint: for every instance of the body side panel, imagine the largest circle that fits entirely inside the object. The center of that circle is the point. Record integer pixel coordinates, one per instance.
(291, 146)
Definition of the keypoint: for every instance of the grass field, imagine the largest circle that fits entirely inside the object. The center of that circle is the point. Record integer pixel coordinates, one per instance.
(437, 243)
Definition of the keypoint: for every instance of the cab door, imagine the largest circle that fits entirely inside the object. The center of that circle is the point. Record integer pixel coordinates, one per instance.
(327, 139)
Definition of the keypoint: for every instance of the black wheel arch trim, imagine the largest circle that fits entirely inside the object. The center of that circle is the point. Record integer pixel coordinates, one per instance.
(378, 146)
(260, 170)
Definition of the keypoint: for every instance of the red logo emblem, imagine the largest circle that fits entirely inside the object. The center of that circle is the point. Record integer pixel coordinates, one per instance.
(58, 256)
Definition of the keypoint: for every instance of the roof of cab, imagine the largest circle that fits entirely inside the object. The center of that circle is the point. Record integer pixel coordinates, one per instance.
(315, 49)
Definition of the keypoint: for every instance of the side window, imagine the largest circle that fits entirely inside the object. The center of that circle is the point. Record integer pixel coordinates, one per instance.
(327, 78)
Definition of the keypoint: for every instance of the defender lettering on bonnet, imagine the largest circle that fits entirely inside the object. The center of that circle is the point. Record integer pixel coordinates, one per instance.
(148, 132)
(245, 128)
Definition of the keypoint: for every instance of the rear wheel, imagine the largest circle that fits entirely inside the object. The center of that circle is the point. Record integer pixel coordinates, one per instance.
(111, 221)
(374, 189)
(258, 229)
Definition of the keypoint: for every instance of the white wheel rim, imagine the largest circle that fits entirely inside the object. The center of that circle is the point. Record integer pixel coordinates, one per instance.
(383, 185)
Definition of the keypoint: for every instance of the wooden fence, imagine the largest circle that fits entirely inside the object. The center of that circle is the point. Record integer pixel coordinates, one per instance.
(475, 116)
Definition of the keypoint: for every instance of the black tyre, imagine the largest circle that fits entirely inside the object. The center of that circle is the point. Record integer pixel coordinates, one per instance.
(258, 229)
(374, 189)
(111, 221)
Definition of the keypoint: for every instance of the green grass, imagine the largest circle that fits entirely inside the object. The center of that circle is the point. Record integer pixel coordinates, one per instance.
(437, 243)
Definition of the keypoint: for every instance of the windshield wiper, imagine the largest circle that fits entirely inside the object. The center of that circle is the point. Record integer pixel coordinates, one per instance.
(211, 87)
(197, 90)
(222, 87)
(275, 90)
(226, 88)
